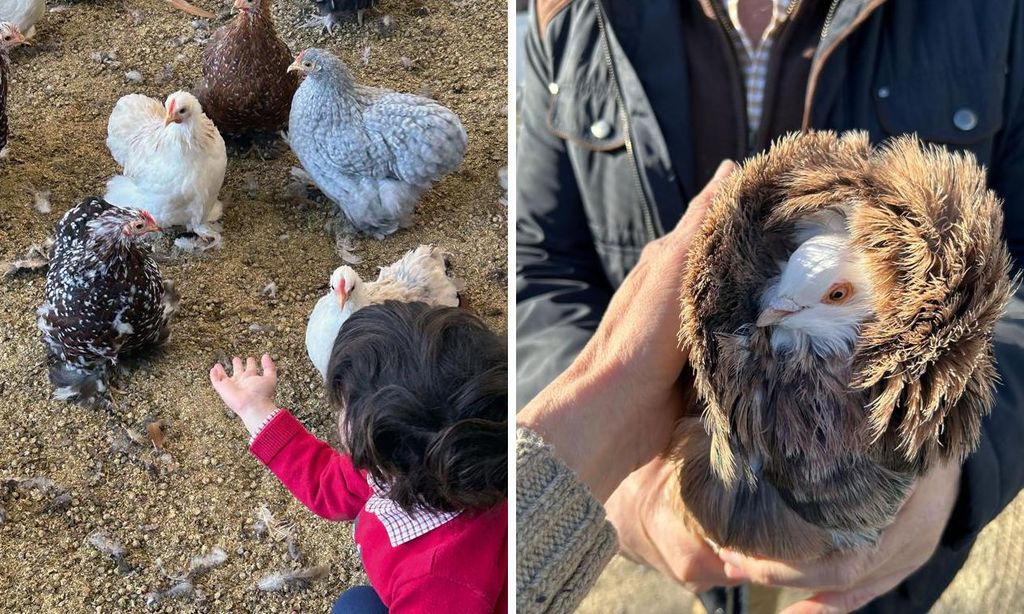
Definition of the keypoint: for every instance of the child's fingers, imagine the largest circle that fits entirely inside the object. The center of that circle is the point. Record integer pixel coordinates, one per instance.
(217, 373)
(269, 368)
(250, 366)
(236, 366)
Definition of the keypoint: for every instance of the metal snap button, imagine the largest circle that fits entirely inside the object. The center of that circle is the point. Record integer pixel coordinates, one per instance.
(883, 92)
(600, 129)
(553, 88)
(965, 119)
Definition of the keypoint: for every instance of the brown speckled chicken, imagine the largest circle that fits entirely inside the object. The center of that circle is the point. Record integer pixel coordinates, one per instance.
(245, 87)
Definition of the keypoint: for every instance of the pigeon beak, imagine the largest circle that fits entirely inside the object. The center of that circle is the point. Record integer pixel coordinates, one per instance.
(771, 317)
(190, 9)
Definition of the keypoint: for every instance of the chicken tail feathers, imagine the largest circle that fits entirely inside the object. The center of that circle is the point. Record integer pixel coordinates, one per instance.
(86, 386)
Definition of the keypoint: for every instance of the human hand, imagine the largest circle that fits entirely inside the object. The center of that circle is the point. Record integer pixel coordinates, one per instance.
(615, 407)
(246, 391)
(846, 582)
(645, 512)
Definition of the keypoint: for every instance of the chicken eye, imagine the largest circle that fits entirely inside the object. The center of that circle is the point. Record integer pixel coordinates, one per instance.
(182, 110)
(838, 293)
(7, 38)
(308, 64)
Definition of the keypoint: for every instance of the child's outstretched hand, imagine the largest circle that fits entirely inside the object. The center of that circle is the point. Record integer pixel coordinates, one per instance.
(249, 393)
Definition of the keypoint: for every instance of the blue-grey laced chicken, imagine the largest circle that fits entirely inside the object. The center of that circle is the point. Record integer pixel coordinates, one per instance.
(105, 298)
(370, 150)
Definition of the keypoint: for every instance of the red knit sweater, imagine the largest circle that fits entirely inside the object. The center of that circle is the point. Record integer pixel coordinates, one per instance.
(461, 566)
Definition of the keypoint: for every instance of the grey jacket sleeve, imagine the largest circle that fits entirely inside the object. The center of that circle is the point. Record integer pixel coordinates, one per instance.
(561, 288)
(563, 541)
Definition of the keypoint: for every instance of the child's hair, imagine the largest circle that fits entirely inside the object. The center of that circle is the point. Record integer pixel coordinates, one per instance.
(423, 395)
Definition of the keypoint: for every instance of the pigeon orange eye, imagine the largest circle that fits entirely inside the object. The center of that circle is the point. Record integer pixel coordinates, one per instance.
(838, 293)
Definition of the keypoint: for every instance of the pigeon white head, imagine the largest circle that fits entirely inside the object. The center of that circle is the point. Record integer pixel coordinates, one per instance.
(820, 298)
(344, 282)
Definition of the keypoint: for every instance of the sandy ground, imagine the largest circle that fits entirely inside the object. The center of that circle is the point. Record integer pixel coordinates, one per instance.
(205, 493)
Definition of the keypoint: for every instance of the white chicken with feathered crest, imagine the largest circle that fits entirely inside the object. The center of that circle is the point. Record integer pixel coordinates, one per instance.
(420, 276)
(173, 160)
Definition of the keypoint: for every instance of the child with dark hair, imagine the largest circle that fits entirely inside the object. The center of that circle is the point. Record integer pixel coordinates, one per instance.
(422, 399)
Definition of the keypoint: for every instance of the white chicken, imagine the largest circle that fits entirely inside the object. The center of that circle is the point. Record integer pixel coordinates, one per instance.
(24, 14)
(420, 276)
(173, 161)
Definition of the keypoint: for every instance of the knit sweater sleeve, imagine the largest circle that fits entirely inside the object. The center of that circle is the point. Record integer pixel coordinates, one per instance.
(562, 538)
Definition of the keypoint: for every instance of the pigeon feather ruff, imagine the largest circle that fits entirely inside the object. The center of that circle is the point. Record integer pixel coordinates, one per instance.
(105, 298)
(797, 458)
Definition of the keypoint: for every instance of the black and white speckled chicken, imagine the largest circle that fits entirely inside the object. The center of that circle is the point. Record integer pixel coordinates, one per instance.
(105, 298)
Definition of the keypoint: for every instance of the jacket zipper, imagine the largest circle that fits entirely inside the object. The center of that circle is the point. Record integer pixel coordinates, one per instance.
(645, 204)
(812, 81)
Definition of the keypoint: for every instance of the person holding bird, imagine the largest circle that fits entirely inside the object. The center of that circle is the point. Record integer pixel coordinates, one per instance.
(627, 110)
(422, 398)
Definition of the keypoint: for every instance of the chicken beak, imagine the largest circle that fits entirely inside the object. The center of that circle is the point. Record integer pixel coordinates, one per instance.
(190, 9)
(21, 40)
(295, 66)
(170, 119)
(771, 317)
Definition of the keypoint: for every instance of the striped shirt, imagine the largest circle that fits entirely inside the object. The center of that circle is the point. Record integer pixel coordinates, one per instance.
(753, 57)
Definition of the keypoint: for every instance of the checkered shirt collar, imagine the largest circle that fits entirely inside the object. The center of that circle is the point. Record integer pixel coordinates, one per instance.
(401, 526)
